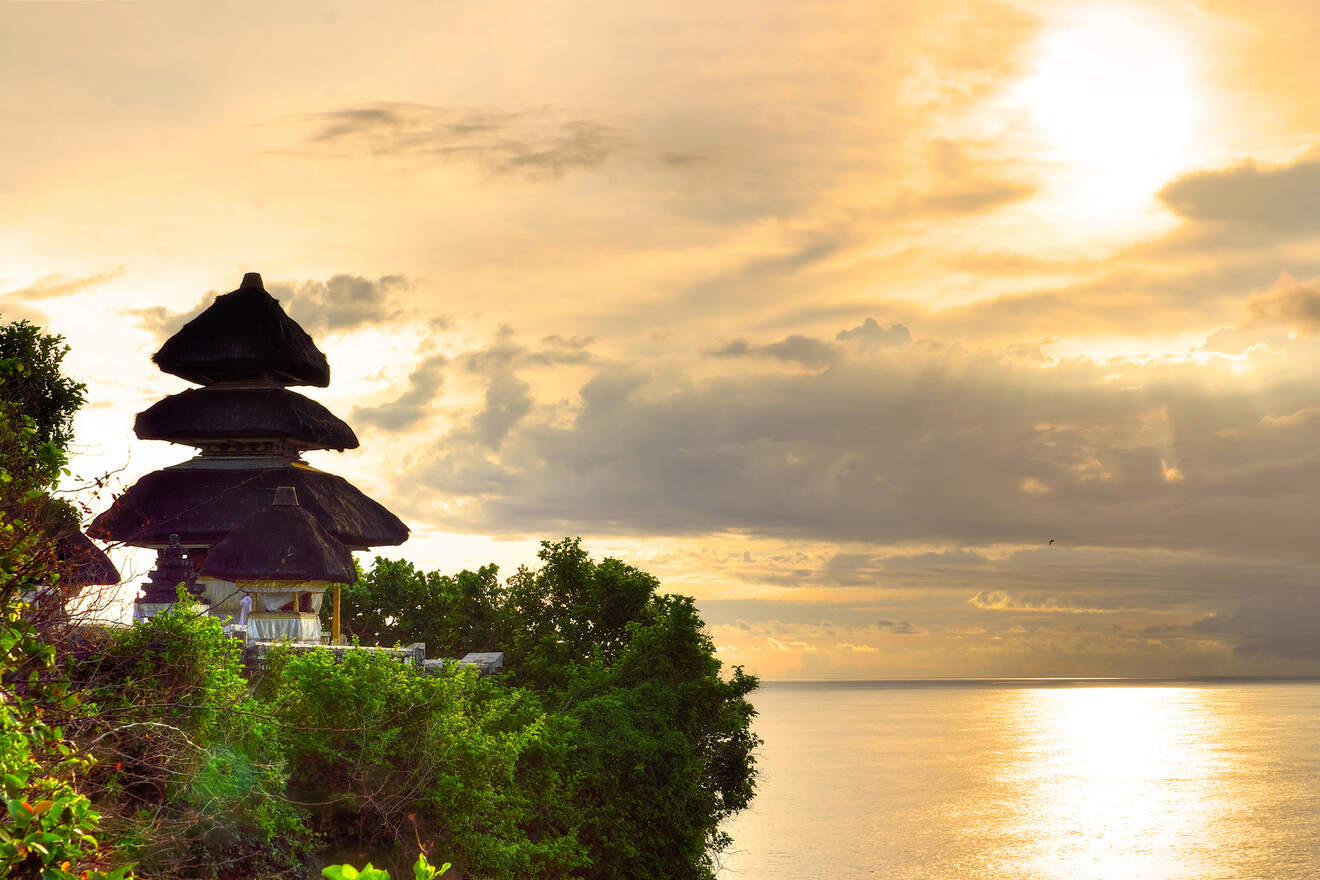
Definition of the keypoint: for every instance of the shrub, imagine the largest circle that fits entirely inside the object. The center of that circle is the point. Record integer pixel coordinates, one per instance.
(190, 777)
(389, 753)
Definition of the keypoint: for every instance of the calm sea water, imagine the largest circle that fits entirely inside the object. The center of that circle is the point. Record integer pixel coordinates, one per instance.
(1018, 782)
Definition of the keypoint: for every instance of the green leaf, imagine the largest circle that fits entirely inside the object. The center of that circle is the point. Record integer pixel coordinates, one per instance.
(424, 870)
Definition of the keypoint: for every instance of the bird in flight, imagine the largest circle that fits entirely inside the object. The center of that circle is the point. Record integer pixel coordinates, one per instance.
(1051, 542)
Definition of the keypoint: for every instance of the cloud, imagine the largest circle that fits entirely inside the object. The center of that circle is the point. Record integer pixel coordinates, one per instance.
(504, 354)
(1234, 340)
(897, 627)
(340, 304)
(870, 333)
(999, 600)
(507, 402)
(792, 349)
(1281, 199)
(534, 143)
(163, 323)
(792, 647)
(964, 184)
(1286, 626)
(920, 444)
(1289, 302)
(15, 304)
(970, 197)
(412, 405)
(59, 285)
(609, 389)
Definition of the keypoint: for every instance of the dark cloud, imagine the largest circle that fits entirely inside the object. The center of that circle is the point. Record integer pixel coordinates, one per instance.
(870, 333)
(505, 354)
(912, 445)
(802, 350)
(752, 615)
(897, 627)
(1002, 600)
(412, 405)
(1280, 199)
(571, 343)
(507, 401)
(526, 143)
(608, 389)
(797, 349)
(1274, 626)
(732, 349)
(508, 398)
(341, 303)
(1290, 303)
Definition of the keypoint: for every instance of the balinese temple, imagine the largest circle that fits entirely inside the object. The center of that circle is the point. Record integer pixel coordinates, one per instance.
(250, 431)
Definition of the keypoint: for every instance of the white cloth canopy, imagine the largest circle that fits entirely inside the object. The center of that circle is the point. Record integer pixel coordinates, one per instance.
(278, 627)
(275, 601)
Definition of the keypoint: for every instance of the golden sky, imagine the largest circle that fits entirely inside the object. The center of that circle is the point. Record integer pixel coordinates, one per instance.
(830, 314)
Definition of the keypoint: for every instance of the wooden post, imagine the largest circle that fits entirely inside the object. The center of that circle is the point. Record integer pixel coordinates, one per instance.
(335, 638)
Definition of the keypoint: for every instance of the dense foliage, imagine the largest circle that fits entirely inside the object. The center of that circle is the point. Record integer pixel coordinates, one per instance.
(48, 826)
(190, 776)
(390, 755)
(647, 748)
(35, 386)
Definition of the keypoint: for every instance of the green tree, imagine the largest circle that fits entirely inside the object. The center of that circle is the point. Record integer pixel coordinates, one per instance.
(646, 745)
(395, 603)
(35, 386)
(47, 829)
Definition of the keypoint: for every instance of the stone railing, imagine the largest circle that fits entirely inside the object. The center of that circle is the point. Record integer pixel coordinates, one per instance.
(414, 655)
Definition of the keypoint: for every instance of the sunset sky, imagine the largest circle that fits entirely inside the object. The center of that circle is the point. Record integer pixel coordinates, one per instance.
(829, 314)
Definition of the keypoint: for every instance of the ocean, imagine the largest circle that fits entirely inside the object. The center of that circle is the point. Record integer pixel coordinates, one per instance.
(1062, 780)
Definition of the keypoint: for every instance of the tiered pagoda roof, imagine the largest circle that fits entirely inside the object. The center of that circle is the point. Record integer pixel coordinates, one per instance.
(250, 431)
(281, 543)
(244, 337)
(225, 414)
(202, 501)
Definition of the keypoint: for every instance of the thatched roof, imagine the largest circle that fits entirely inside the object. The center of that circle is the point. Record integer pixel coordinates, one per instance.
(204, 504)
(244, 337)
(281, 542)
(82, 564)
(223, 413)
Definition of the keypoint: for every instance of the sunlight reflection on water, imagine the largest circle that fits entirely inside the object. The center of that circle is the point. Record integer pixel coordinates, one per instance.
(1151, 782)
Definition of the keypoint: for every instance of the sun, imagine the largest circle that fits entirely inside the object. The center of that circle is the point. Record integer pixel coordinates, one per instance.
(1112, 99)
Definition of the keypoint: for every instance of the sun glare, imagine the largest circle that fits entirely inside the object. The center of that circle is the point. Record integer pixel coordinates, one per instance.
(1114, 102)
